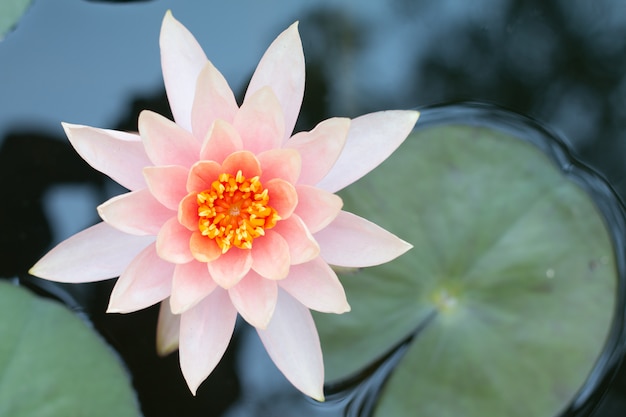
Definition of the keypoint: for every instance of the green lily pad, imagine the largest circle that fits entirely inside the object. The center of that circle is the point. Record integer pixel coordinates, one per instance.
(511, 257)
(10, 13)
(53, 365)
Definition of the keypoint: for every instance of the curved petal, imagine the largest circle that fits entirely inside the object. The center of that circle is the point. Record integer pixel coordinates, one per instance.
(283, 197)
(316, 285)
(97, 253)
(168, 328)
(352, 241)
(213, 100)
(221, 140)
(292, 342)
(192, 282)
(202, 175)
(254, 297)
(320, 148)
(302, 245)
(204, 249)
(371, 139)
(230, 267)
(182, 60)
(317, 207)
(167, 143)
(280, 163)
(260, 121)
(119, 155)
(167, 184)
(188, 212)
(244, 161)
(146, 281)
(282, 68)
(205, 331)
(136, 212)
(172, 242)
(270, 256)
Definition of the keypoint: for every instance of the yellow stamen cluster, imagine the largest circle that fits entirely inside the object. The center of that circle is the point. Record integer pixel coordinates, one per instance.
(235, 211)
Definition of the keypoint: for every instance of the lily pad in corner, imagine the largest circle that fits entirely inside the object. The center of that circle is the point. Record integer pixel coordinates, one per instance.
(10, 13)
(53, 365)
(512, 258)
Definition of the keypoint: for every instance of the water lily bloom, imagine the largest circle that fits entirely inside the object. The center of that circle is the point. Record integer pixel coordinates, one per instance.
(230, 214)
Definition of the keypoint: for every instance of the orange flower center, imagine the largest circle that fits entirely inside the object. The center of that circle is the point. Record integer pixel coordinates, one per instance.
(235, 211)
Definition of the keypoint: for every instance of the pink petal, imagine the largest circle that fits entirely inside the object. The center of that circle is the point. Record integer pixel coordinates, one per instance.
(97, 253)
(302, 245)
(167, 143)
(244, 161)
(230, 267)
(213, 100)
(280, 163)
(316, 285)
(202, 175)
(172, 242)
(146, 281)
(119, 155)
(317, 207)
(371, 139)
(270, 256)
(292, 342)
(320, 148)
(203, 248)
(260, 121)
(283, 196)
(168, 328)
(205, 331)
(188, 212)
(254, 297)
(282, 68)
(167, 184)
(192, 282)
(182, 60)
(136, 212)
(352, 241)
(222, 139)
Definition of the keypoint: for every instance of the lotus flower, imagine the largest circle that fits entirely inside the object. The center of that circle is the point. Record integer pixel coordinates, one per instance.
(228, 213)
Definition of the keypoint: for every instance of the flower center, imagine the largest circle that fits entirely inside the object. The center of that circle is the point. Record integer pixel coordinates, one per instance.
(235, 211)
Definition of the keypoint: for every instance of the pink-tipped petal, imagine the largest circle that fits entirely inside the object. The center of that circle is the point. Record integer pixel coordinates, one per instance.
(136, 212)
(168, 328)
(146, 281)
(302, 244)
(172, 242)
(280, 163)
(188, 212)
(167, 143)
(97, 253)
(205, 331)
(254, 297)
(192, 282)
(352, 241)
(167, 184)
(320, 148)
(244, 161)
(222, 139)
(317, 207)
(316, 285)
(260, 121)
(282, 68)
(292, 342)
(270, 256)
(202, 175)
(213, 100)
(182, 60)
(371, 139)
(203, 248)
(283, 196)
(119, 155)
(230, 267)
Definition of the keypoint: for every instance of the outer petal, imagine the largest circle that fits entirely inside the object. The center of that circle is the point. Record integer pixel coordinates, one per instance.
(317, 207)
(146, 281)
(205, 331)
(260, 121)
(316, 285)
(213, 100)
(172, 242)
(119, 155)
(97, 253)
(168, 328)
(302, 245)
(167, 184)
(292, 342)
(136, 212)
(352, 241)
(222, 139)
(270, 256)
(320, 148)
(167, 143)
(230, 267)
(182, 59)
(280, 163)
(254, 297)
(371, 139)
(192, 282)
(282, 68)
